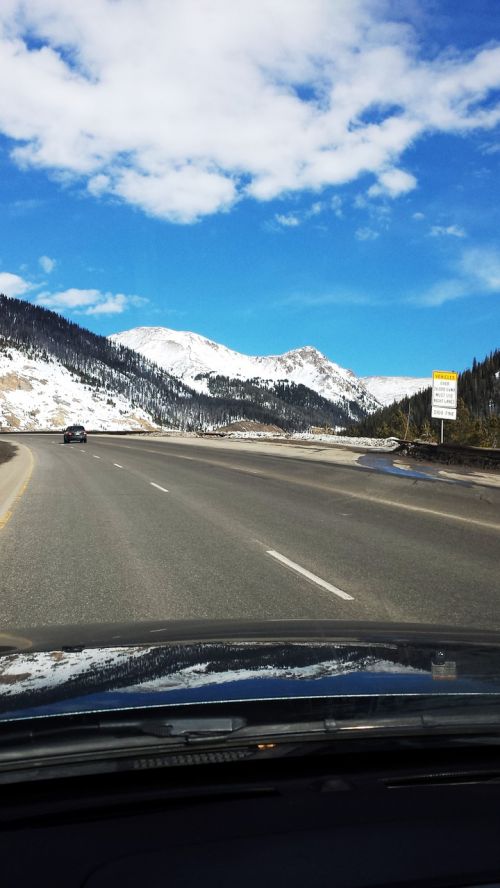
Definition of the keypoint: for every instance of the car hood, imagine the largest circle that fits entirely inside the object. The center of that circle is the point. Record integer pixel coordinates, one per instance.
(63, 670)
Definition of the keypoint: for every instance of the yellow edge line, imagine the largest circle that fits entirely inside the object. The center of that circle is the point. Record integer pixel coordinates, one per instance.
(5, 518)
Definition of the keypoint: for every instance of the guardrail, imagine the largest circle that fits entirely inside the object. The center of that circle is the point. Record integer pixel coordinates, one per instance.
(452, 454)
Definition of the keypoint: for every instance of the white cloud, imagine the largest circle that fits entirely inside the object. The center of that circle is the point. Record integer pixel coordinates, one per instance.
(477, 273)
(88, 302)
(47, 264)
(110, 305)
(183, 108)
(491, 148)
(288, 220)
(482, 265)
(447, 231)
(366, 234)
(293, 220)
(418, 216)
(315, 209)
(392, 183)
(13, 285)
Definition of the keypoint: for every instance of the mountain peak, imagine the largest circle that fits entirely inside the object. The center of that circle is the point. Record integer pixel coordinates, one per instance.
(191, 357)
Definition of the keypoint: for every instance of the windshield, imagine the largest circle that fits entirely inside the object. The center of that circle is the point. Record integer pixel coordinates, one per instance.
(251, 249)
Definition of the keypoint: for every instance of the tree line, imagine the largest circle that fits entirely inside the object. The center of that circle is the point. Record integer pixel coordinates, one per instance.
(478, 411)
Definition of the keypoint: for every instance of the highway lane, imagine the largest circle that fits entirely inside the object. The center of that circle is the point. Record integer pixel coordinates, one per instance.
(135, 529)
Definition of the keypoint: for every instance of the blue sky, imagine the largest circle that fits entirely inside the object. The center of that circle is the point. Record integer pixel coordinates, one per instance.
(269, 174)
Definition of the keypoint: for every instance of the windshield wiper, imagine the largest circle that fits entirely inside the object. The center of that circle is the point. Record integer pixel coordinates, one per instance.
(127, 735)
(175, 728)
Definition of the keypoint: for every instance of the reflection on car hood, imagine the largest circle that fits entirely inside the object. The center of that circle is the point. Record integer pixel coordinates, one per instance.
(89, 669)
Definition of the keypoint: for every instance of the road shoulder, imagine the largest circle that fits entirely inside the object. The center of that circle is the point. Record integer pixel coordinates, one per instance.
(14, 477)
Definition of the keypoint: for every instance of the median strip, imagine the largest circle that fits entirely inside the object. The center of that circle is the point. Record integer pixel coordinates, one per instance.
(163, 489)
(308, 575)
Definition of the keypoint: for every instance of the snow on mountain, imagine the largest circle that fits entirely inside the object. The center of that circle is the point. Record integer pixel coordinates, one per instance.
(387, 389)
(42, 394)
(187, 355)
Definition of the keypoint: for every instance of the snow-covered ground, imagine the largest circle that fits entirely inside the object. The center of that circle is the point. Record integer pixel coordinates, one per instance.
(387, 389)
(345, 441)
(387, 444)
(38, 394)
(187, 355)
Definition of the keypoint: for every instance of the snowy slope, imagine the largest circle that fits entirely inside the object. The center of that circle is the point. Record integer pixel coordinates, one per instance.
(186, 355)
(388, 389)
(39, 394)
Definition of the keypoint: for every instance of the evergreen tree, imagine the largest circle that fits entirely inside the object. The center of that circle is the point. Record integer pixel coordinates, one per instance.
(478, 410)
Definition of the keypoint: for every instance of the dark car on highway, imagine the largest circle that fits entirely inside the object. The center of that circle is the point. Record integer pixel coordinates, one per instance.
(75, 433)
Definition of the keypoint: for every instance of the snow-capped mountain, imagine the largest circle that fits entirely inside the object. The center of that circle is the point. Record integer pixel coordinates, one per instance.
(40, 393)
(387, 389)
(189, 356)
(53, 373)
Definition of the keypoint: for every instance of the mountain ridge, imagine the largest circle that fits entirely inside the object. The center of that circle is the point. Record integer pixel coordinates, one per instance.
(74, 372)
(192, 358)
(390, 389)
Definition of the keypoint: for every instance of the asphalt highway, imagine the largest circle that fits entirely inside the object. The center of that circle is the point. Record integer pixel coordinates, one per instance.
(136, 529)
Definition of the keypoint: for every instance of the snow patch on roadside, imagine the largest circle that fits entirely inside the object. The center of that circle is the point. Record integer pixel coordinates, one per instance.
(380, 444)
(344, 441)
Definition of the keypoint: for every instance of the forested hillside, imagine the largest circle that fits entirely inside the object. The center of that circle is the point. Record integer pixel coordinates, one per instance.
(115, 369)
(295, 403)
(478, 414)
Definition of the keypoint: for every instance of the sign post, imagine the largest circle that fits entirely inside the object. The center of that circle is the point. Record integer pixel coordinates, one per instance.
(444, 396)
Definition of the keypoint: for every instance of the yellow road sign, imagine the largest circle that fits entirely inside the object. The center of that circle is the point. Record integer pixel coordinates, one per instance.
(444, 374)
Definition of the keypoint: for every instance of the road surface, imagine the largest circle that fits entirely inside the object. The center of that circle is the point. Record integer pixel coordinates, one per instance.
(142, 529)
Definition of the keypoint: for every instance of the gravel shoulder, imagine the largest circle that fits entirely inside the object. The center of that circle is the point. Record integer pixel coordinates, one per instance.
(7, 451)
(16, 465)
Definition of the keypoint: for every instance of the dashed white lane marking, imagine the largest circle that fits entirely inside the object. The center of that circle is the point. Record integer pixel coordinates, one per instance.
(309, 576)
(163, 489)
(118, 466)
(95, 457)
(82, 451)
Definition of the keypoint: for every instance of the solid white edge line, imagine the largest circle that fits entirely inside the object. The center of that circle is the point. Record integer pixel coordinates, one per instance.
(118, 466)
(163, 489)
(310, 576)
